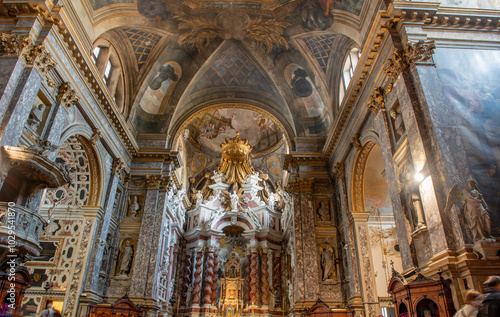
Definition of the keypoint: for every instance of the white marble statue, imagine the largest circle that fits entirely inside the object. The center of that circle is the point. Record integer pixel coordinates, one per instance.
(125, 259)
(134, 207)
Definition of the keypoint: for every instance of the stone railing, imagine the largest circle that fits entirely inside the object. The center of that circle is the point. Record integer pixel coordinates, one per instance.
(20, 229)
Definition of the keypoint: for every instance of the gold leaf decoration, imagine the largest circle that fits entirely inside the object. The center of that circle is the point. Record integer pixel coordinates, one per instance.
(199, 31)
(268, 32)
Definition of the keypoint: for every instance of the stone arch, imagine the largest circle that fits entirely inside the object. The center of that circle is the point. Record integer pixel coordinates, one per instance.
(79, 154)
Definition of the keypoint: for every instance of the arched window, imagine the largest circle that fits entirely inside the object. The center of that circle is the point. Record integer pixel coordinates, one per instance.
(348, 71)
(109, 66)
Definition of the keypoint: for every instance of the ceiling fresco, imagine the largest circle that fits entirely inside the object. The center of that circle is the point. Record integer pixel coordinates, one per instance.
(320, 47)
(208, 131)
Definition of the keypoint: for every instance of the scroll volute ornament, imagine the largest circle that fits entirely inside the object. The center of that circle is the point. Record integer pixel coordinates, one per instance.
(235, 161)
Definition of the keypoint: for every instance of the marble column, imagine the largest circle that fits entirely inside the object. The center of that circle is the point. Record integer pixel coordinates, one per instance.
(382, 126)
(141, 262)
(427, 159)
(264, 278)
(155, 246)
(350, 238)
(253, 276)
(209, 273)
(277, 280)
(307, 269)
(186, 278)
(215, 277)
(172, 267)
(20, 106)
(247, 278)
(197, 277)
(104, 225)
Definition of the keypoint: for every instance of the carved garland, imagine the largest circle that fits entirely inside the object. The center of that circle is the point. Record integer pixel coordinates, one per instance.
(358, 177)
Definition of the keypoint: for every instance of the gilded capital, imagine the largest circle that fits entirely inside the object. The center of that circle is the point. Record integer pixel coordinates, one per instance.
(153, 181)
(12, 44)
(67, 96)
(376, 101)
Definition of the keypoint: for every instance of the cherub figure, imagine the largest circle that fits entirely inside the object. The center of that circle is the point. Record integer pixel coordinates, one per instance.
(475, 209)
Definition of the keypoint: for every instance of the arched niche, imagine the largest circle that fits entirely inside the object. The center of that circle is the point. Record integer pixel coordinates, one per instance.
(160, 88)
(84, 190)
(372, 199)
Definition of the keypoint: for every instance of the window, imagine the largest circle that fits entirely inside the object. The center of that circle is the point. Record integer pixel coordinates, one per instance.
(348, 71)
(108, 64)
(95, 53)
(107, 72)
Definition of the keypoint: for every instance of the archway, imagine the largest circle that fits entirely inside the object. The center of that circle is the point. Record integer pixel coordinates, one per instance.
(372, 201)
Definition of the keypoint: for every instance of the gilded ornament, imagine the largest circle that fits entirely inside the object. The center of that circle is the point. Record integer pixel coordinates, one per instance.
(199, 31)
(376, 101)
(12, 44)
(66, 95)
(235, 161)
(338, 170)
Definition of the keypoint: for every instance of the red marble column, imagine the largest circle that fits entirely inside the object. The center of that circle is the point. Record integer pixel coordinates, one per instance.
(277, 272)
(253, 277)
(215, 277)
(186, 277)
(197, 278)
(264, 279)
(209, 273)
(247, 279)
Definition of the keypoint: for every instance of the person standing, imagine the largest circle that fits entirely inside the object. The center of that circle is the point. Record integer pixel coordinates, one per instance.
(490, 306)
(472, 301)
(48, 312)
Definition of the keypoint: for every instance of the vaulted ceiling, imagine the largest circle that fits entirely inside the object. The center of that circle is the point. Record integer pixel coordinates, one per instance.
(280, 58)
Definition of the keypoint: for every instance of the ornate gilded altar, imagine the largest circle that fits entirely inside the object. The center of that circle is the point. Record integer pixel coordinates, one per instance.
(231, 303)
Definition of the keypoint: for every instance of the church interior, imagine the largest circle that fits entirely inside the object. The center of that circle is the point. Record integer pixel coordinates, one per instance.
(248, 158)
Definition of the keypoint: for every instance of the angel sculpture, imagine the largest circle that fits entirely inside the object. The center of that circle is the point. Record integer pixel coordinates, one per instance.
(475, 209)
(236, 198)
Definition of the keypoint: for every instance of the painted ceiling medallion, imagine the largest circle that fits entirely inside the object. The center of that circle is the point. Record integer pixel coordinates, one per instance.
(231, 24)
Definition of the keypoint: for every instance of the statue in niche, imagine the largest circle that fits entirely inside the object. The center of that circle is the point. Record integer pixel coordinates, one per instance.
(134, 207)
(36, 116)
(323, 211)
(166, 72)
(106, 253)
(475, 209)
(327, 264)
(399, 127)
(412, 201)
(125, 259)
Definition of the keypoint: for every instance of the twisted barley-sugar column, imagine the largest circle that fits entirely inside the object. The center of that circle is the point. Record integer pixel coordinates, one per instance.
(209, 273)
(215, 278)
(197, 278)
(186, 277)
(247, 280)
(253, 278)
